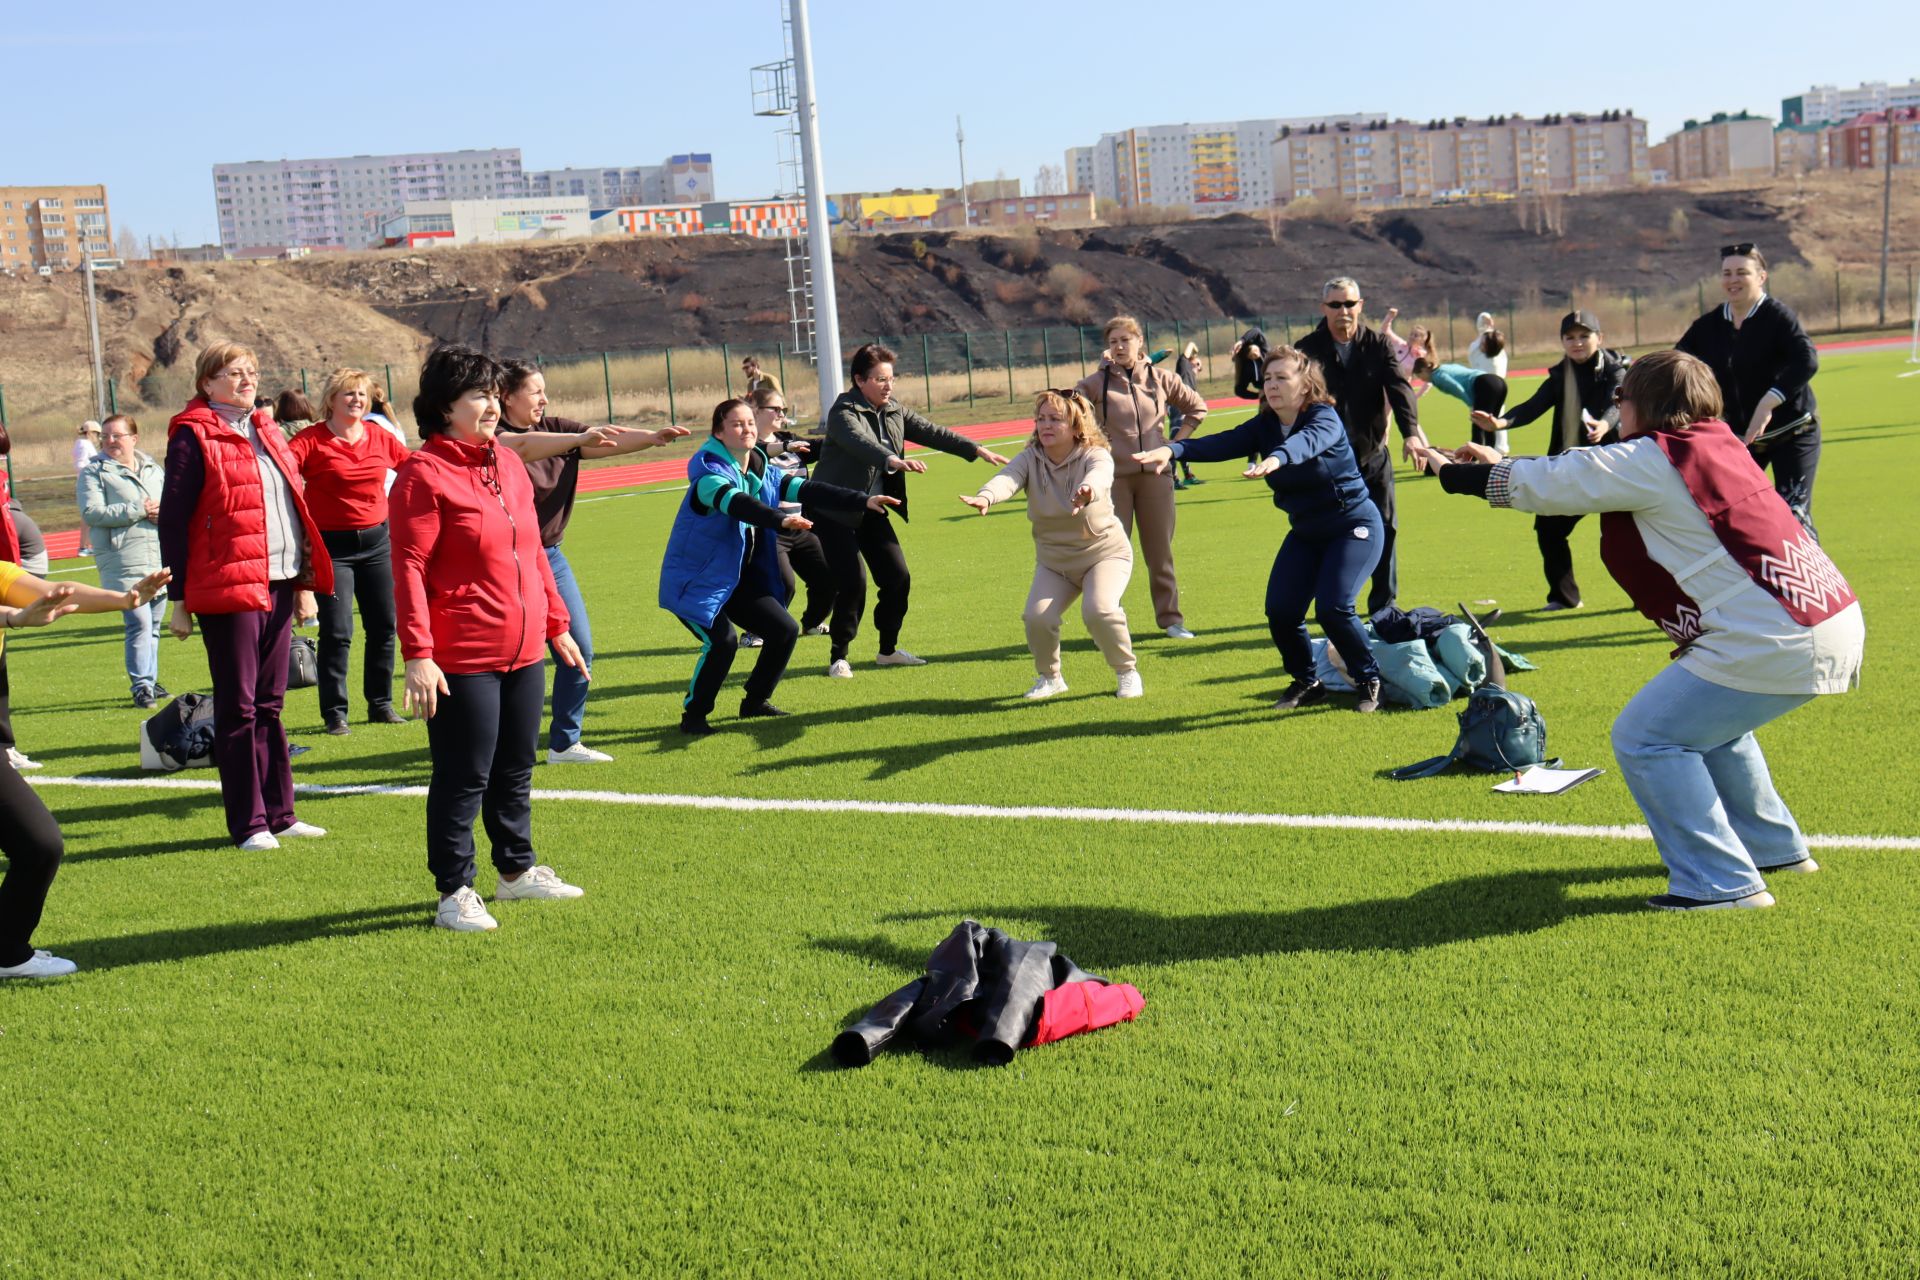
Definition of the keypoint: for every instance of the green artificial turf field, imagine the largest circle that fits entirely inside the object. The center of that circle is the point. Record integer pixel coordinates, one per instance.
(1364, 1051)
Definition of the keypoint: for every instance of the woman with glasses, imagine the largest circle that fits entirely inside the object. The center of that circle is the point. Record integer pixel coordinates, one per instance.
(1764, 363)
(1762, 620)
(1079, 547)
(802, 558)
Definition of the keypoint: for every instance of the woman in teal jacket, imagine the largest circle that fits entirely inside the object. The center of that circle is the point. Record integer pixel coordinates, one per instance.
(721, 570)
(119, 496)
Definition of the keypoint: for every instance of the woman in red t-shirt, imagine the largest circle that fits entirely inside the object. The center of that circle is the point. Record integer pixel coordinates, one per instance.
(345, 461)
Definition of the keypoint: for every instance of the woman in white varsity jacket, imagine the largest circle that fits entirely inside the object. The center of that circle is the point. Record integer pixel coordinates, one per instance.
(1763, 621)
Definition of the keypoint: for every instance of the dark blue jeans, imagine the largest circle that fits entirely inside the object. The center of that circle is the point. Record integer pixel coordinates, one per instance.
(569, 684)
(1325, 569)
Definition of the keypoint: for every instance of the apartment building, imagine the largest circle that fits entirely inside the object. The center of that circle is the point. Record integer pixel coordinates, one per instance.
(1079, 170)
(1799, 148)
(1863, 142)
(1206, 168)
(1381, 163)
(1824, 104)
(1738, 145)
(54, 227)
(681, 179)
(343, 202)
(1069, 210)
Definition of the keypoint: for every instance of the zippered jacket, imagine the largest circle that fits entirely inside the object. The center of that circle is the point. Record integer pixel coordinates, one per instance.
(472, 589)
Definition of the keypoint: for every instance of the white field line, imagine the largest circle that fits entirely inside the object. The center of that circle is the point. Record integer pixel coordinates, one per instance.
(1053, 813)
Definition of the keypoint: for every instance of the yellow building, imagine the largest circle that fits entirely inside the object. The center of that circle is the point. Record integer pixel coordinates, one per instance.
(53, 227)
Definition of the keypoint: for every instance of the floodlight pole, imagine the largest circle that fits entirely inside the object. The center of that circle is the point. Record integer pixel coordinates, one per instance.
(1886, 212)
(93, 344)
(966, 202)
(826, 314)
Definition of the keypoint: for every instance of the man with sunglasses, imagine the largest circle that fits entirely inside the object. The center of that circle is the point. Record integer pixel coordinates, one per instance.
(1367, 384)
(1764, 362)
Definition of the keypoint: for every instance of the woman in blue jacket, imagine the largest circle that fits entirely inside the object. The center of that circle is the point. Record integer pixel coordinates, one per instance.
(722, 570)
(1334, 542)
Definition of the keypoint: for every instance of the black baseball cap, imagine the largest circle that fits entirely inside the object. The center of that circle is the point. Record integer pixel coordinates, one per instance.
(1579, 320)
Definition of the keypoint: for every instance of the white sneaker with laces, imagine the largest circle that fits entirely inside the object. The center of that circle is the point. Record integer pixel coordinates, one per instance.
(463, 912)
(1178, 632)
(259, 842)
(898, 658)
(840, 669)
(748, 640)
(41, 964)
(536, 882)
(819, 630)
(1130, 686)
(303, 830)
(1805, 867)
(20, 761)
(578, 753)
(1046, 687)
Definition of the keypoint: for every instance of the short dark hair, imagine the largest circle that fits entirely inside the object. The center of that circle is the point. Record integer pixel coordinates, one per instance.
(1492, 343)
(449, 373)
(869, 355)
(514, 375)
(725, 407)
(292, 406)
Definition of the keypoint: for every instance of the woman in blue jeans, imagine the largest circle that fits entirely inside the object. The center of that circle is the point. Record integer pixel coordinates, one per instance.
(119, 495)
(1762, 619)
(1334, 542)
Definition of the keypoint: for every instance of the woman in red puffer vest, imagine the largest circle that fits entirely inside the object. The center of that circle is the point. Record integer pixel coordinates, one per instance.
(245, 554)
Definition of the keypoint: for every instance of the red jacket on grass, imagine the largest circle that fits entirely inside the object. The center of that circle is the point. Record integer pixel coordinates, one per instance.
(472, 589)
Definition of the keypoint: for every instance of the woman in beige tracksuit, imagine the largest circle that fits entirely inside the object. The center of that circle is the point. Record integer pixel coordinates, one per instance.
(1130, 397)
(1079, 546)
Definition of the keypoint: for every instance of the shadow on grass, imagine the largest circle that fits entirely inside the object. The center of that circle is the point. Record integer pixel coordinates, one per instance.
(1109, 938)
(252, 935)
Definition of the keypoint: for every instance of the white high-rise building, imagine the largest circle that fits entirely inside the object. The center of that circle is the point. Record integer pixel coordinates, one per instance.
(681, 179)
(1824, 104)
(342, 202)
(1079, 170)
(1208, 168)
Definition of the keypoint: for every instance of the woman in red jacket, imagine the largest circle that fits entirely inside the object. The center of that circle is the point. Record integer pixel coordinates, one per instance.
(345, 460)
(477, 608)
(245, 553)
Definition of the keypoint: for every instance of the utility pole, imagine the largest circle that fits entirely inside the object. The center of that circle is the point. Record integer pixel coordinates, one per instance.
(93, 343)
(1886, 211)
(819, 233)
(966, 203)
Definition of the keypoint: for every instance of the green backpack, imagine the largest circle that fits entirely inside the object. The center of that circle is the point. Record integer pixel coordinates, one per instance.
(1500, 731)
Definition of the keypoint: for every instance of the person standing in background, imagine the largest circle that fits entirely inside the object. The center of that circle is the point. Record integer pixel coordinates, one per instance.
(86, 444)
(119, 497)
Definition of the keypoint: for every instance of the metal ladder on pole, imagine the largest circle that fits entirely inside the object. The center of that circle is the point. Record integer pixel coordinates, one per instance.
(774, 95)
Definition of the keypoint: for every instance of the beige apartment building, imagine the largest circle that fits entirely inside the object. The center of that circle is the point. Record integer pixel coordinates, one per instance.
(55, 227)
(1404, 162)
(1725, 146)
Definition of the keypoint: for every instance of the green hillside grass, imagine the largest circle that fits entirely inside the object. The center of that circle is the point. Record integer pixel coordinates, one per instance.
(1363, 1052)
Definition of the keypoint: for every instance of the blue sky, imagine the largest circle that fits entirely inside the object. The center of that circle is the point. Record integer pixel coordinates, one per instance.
(147, 106)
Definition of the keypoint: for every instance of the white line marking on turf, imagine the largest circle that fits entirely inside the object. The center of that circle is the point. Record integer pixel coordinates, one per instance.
(1178, 817)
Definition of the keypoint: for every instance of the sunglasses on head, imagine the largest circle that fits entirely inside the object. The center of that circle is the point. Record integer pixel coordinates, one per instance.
(1741, 250)
(1346, 305)
(1068, 393)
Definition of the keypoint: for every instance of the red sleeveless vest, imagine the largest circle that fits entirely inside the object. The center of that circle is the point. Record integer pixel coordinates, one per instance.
(227, 546)
(1754, 525)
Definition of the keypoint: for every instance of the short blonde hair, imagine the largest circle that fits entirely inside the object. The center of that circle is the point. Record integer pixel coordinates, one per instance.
(217, 357)
(1080, 421)
(341, 381)
(1122, 324)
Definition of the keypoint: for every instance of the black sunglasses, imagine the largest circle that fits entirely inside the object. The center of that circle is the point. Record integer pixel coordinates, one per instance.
(1741, 250)
(1068, 393)
(1347, 305)
(1619, 395)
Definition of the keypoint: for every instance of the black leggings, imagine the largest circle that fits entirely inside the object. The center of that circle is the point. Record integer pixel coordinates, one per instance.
(871, 540)
(751, 609)
(1489, 396)
(363, 575)
(483, 736)
(31, 840)
(802, 556)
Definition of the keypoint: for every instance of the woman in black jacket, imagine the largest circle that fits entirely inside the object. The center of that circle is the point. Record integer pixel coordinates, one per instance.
(1764, 362)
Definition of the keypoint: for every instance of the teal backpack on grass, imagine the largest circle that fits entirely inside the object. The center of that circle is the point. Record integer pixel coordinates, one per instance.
(1500, 731)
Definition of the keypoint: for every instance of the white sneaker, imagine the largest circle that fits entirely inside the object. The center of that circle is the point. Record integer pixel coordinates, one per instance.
(1130, 686)
(898, 658)
(1805, 867)
(578, 753)
(259, 842)
(840, 669)
(819, 630)
(536, 882)
(463, 912)
(304, 830)
(1178, 632)
(748, 640)
(20, 762)
(1046, 687)
(40, 964)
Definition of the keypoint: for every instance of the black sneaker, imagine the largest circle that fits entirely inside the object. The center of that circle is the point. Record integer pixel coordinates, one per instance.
(337, 724)
(160, 691)
(759, 707)
(694, 725)
(145, 699)
(1369, 696)
(1301, 694)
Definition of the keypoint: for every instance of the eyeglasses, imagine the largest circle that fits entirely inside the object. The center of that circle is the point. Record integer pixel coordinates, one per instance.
(1619, 395)
(1744, 249)
(1342, 305)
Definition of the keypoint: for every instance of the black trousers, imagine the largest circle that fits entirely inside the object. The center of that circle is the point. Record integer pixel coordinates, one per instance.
(483, 736)
(1489, 396)
(1377, 471)
(1794, 462)
(362, 575)
(753, 610)
(31, 840)
(873, 541)
(802, 557)
(1556, 557)
(6, 707)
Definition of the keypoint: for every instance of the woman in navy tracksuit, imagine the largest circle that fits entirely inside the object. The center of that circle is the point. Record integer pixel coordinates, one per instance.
(1334, 542)
(721, 570)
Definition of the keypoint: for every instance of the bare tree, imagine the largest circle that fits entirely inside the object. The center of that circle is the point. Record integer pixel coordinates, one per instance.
(1050, 181)
(126, 245)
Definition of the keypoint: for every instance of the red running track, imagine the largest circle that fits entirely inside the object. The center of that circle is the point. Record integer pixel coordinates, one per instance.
(61, 546)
